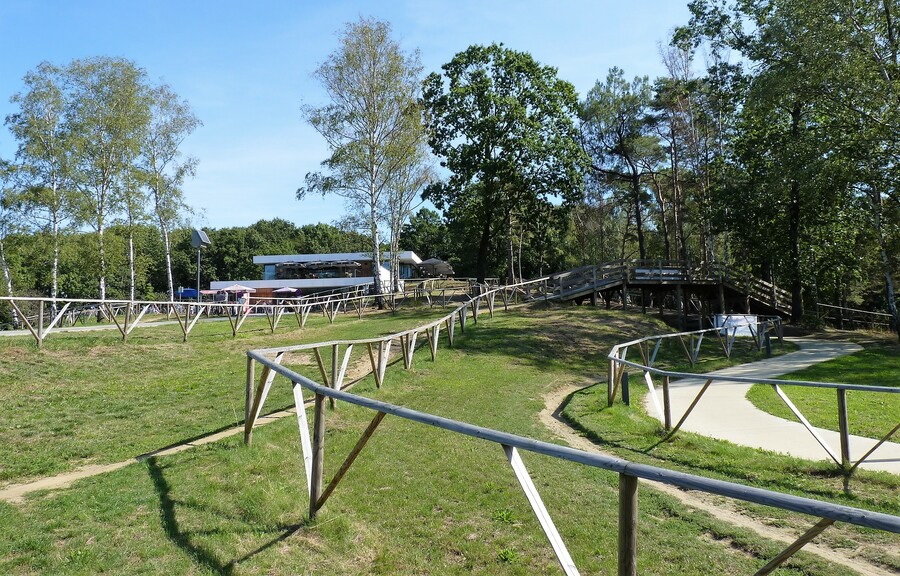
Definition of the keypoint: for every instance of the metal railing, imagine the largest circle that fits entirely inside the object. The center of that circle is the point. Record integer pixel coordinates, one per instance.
(313, 446)
(852, 318)
(760, 331)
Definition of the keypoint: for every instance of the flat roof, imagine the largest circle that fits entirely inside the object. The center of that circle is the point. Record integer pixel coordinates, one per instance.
(406, 257)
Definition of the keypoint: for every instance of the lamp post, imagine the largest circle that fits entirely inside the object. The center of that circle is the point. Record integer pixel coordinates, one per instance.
(199, 240)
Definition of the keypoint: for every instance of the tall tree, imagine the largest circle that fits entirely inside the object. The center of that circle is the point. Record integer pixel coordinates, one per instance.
(615, 125)
(8, 219)
(401, 198)
(372, 124)
(784, 114)
(108, 111)
(164, 169)
(44, 156)
(503, 125)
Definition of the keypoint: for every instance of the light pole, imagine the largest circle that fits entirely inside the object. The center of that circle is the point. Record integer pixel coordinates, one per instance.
(199, 240)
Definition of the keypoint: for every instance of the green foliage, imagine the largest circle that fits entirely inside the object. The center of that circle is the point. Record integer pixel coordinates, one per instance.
(426, 235)
(503, 125)
(373, 128)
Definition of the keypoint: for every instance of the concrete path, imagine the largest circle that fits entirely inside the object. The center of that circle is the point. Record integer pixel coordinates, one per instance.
(725, 413)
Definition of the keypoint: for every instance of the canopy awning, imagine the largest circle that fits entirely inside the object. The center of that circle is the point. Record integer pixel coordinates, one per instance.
(238, 288)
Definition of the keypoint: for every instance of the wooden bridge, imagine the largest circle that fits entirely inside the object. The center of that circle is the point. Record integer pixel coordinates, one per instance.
(702, 289)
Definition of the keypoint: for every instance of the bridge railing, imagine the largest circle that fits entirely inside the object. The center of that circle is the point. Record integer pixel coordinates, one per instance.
(636, 270)
(313, 447)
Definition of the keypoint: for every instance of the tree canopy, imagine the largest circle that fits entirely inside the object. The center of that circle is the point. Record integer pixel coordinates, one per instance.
(503, 125)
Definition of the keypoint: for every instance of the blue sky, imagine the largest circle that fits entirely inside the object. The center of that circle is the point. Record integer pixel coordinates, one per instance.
(245, 67)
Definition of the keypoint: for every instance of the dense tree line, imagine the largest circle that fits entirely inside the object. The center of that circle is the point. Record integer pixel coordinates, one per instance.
(777, 156)
(769, 145)
(229, 257)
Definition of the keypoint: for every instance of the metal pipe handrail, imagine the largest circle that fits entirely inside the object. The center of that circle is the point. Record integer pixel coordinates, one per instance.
(839, 512)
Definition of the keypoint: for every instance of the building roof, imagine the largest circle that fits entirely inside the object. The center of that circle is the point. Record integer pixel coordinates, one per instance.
(406, 257)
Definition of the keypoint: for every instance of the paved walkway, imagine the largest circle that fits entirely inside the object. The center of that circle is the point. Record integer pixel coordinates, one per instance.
(725, 413)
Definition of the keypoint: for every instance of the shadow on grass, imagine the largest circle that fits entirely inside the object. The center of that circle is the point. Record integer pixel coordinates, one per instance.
(182, 538)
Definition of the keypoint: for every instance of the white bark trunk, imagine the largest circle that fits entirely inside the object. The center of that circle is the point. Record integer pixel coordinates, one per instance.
(7, 278)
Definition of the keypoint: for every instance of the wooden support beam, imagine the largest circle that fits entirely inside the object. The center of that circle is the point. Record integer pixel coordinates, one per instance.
(540, 511)
(820, 527)
(628, 519)
(339, 381)
(843, 428)
(375, 364)
(321, 364)
(248, 400)
(37, 337)
(873, 448)
(317, 470)
(360, 444)
(262, 392)
(667, 406)
(303, 426)
(653, 395)
(434, 341)
(689, 410)
(806, 424)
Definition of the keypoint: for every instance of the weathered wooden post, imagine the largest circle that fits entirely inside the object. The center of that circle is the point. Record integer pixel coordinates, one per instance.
(40, 324)
(628, 517)
(248, 401)
(626, 391)
(610, 381)
(667, 410)
(843, 428)
(318, 462)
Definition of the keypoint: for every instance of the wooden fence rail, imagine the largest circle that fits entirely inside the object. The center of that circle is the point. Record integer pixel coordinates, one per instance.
(629, 473)
(313, 446)
(760, 332)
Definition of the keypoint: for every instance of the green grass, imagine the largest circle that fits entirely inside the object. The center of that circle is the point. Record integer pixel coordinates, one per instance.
(869, 414)
(88, 398)
(417, 501)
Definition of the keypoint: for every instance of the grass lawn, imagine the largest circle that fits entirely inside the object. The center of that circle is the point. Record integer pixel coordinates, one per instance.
(417, 501)
(869, 414)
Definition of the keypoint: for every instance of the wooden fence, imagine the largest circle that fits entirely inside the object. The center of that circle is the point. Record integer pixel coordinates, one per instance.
(852, 318)
(313, 445)
(760, 332)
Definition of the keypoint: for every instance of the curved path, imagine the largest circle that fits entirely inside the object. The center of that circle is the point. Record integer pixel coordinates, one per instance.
(725, 413)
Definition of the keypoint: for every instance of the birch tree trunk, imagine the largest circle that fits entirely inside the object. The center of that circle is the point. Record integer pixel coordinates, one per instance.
(7, 279)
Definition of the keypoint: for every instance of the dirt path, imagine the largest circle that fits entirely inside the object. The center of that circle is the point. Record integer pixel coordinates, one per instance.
(717, 507)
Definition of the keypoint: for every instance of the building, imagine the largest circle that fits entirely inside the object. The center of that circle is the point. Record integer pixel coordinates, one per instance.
(311, 273)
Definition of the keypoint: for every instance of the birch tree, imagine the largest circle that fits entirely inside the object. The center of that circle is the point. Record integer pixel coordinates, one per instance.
(107, 114)
(8, 219)
(164, 169)
(370, 124)
(43, 156)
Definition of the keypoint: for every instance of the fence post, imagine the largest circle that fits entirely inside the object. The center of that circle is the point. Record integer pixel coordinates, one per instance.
(248, 401)
(628, 516)
(667, 410)
(626, 393)
(610, 378)
(318, 461)
(844, 428)
(41, 324)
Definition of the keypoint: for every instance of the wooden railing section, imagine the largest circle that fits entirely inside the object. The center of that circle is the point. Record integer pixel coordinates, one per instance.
(313, 445)
(760, 332)
(602, 276)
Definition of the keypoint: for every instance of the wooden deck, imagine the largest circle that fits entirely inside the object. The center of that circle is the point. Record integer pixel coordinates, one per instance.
(705, 288)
